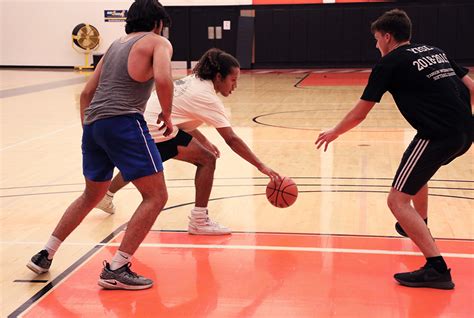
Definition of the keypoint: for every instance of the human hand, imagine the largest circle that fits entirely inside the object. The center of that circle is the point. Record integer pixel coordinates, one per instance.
(326, 137)
(270, 173)
(166, 124)
(213, 148)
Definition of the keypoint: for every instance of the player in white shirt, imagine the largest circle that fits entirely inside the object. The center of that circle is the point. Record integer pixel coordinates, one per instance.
(195, 102)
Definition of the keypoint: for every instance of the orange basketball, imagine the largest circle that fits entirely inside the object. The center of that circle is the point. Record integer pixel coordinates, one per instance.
(282, 195)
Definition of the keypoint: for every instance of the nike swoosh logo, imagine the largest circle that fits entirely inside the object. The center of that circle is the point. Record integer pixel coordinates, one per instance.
(123, 256)
(111, 282)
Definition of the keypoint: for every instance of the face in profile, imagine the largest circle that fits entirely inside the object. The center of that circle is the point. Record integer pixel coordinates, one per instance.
(225, 85)
(382, 42)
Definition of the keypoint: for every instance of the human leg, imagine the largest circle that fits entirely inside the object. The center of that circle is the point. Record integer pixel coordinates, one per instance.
(97, 169)
(205, 162)
(154, 194)
(107, 204)
(420, 203)
(71, 218)
(117, 274)
(138, 161)
(412, 222)
(420, 162)
(434, 273)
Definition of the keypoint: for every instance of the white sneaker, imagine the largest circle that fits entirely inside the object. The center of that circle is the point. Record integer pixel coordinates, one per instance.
(205, 226)
(106, 204)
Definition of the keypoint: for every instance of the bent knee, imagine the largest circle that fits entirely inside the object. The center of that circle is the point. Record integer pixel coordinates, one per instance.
(207, 159)
(396, 200)
(158, 200)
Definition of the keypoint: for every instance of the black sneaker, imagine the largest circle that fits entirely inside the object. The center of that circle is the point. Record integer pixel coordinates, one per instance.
(401, 231)
(122, 278)
(426, 276)
(40, 263)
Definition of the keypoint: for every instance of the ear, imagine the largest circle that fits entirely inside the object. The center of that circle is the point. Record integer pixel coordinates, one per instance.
(159, 27)
(219, 77)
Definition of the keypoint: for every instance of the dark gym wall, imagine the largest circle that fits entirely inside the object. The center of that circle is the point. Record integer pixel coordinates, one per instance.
(330, 35)
(339, 35)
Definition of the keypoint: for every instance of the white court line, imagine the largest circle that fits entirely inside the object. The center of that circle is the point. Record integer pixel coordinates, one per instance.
(270, 248)
(39, 137)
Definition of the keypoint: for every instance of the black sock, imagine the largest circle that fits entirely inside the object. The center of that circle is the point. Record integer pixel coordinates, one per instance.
(438, 263)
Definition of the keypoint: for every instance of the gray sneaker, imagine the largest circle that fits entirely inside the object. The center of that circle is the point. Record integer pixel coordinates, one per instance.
(40, 263)
(122, 278)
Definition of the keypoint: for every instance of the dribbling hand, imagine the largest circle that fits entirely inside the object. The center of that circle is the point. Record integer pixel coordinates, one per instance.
(270, 173)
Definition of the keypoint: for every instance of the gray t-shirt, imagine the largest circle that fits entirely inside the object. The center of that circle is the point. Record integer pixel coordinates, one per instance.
(117, 93)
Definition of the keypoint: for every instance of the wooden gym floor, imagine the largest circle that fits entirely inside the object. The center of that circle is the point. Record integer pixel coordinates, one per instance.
(331, 254)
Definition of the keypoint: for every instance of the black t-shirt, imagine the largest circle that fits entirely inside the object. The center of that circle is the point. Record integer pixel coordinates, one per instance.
(426, 87)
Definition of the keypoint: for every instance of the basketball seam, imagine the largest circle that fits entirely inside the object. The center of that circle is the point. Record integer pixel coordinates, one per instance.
(278, 192)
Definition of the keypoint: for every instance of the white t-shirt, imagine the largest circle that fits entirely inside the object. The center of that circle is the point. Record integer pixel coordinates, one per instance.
(195, 102)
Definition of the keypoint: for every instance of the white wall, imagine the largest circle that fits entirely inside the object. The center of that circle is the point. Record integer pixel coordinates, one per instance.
(38, 32)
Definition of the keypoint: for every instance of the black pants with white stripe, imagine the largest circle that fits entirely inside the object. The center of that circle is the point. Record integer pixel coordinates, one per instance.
(424, 157)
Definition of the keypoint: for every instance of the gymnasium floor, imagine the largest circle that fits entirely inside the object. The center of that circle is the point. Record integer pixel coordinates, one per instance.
(331, 254)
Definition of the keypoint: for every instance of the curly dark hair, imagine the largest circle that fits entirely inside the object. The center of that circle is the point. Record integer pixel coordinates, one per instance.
(396, 22)
(215, 61)
(145, 15)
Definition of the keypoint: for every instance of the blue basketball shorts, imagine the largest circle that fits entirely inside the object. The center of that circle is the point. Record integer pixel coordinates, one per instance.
(424, 157)
(123, 142)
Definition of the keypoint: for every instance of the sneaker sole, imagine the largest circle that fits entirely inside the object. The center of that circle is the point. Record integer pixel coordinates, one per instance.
(209, 233)
(35, 268)
(106, 211)
(437, 285)
(118, 285)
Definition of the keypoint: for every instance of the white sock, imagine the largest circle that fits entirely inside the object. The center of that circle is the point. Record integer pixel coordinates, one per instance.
(120, 259)
(110, 194)
(198, 210)
(52, 246)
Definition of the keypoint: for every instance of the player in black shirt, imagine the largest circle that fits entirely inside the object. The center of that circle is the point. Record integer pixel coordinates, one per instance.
(433, 94)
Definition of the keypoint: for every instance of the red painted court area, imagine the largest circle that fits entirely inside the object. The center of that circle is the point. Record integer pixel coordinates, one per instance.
(266, 275)
(335, 79)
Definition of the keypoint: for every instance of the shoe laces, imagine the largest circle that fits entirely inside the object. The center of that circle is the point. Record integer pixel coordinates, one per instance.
(44, 253)
(423, 268)
(130, 272)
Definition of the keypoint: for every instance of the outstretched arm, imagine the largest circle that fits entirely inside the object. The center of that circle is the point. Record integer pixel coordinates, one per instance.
(352, 119)
(241, 148)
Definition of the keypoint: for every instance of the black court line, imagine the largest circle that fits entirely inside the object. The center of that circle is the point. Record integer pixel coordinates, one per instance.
(264, 185)
(40, 87)
(239, 178)
(30, 281)
(64, 274)
(257, 120)
(302, 79)
(86, 256)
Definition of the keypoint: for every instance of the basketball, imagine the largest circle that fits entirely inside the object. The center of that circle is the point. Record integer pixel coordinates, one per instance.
(283, 194)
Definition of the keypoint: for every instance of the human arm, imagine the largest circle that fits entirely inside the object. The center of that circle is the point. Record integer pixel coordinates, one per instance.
(162, 53)
(89, 90)
(470, 85)
(354, 117)
(241, 148)
(205, 142)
